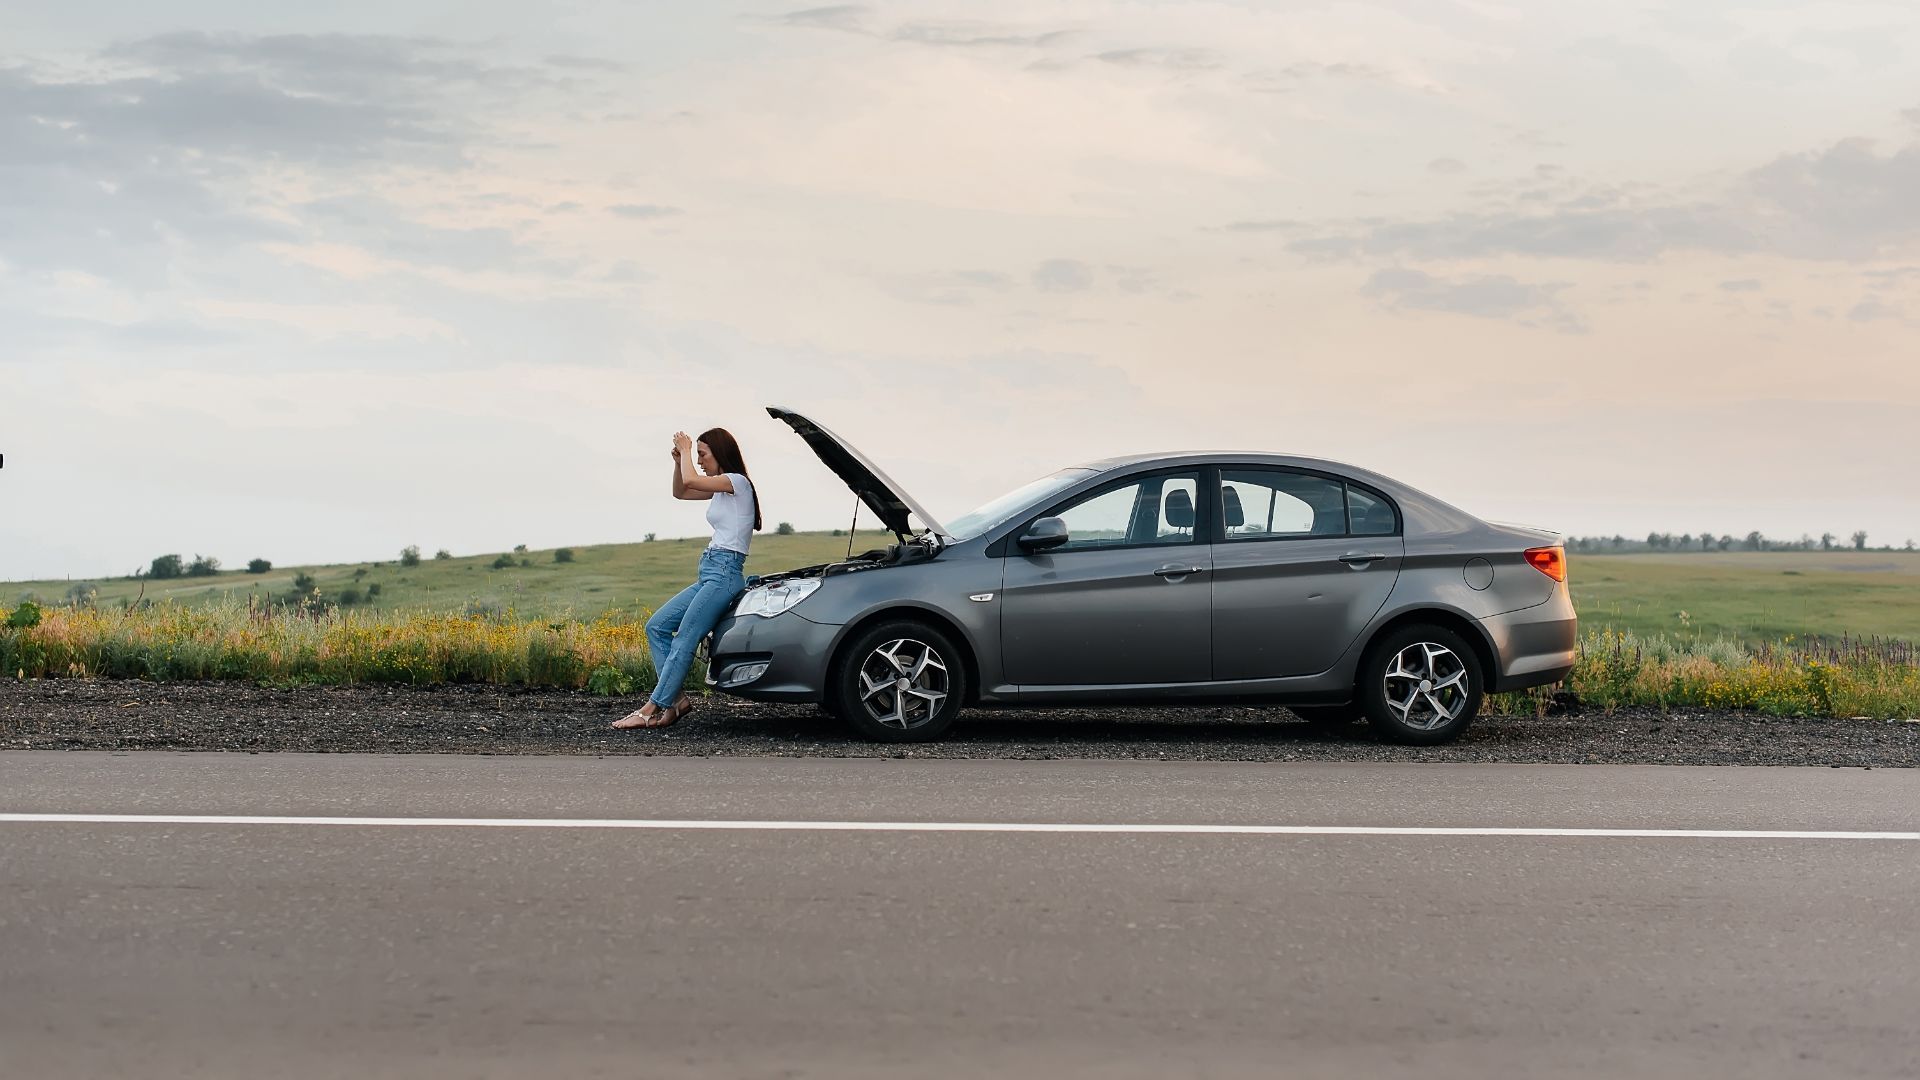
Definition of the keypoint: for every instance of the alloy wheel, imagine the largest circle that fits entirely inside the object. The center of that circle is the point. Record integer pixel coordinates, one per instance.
(1426, 686)
(902, 684)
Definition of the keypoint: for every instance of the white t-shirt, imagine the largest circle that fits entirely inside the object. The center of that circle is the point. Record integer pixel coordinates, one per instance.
(731, 515)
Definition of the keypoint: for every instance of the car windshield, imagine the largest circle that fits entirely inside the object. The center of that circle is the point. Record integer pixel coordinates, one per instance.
(993, 513)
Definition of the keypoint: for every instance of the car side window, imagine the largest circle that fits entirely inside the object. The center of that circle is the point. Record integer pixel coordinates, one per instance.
(1264, 504)
(1369, 514)
(1145, 512)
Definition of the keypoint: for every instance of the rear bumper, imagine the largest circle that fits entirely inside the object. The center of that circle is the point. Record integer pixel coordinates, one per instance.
(1537, 645)
(794, 650)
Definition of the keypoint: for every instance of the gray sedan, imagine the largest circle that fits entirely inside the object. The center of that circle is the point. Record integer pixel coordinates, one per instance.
(1249, 577)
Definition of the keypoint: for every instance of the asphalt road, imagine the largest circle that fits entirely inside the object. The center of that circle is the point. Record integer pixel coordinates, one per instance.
(638, 947)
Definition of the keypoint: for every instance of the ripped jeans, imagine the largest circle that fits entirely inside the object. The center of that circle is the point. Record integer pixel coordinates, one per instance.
(675, 630)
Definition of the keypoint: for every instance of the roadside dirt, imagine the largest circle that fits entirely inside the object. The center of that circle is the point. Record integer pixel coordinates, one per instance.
(67, 714)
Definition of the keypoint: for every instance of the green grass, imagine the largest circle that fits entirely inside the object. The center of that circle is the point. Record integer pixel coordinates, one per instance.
(623, 579)
(1750, 596)
(1745, 596)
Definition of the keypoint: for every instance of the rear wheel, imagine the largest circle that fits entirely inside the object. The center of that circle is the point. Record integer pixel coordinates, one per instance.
(899, 682)
(1421, 685)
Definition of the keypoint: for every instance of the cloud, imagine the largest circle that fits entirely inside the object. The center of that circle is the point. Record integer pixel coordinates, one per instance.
(851, 18)
(1062, 276)
(356, 67)
(643, 211)
(1566, 232)
(1275, 225)
(1446, 166)
(1874, 310)
(1485, 297)
(1742, 285)
(973, 35)
(152, 155)
(959, 288)
(858, 19)
(1850, 201)
(587, 63)
(376, 226)
(1169, 59)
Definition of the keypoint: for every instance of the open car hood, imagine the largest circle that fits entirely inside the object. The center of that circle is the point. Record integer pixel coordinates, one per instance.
(863, 476)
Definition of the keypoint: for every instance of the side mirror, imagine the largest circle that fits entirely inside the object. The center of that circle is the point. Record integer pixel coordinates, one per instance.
(1049, 532)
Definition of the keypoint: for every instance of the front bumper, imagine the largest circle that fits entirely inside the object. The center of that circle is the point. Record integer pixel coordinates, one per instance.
(793, 650)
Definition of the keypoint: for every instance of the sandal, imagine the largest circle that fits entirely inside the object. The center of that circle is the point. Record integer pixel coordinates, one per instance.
(641, 718)
(667, 717)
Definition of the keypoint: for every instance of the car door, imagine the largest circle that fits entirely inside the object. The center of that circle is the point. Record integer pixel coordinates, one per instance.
(1125, 600)
(1302, 562)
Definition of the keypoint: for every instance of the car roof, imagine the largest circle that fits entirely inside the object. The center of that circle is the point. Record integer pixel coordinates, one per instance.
(1221, 457)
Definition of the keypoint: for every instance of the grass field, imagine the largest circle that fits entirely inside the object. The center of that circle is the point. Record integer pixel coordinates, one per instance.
(1751, 596)
(1745, 596)
(623, 579)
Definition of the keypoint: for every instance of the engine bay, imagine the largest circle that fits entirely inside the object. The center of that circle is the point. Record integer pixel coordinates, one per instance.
(917, 549)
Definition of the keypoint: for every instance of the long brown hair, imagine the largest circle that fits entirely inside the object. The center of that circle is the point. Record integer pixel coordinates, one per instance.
(726, 454)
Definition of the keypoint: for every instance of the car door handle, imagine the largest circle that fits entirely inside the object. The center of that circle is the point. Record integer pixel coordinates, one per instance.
(1179, 571)
(1358, 559)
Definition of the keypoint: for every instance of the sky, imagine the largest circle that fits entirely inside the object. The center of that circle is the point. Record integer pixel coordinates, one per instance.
(314, 282)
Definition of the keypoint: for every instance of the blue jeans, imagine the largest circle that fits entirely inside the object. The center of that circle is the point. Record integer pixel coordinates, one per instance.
(675, 630)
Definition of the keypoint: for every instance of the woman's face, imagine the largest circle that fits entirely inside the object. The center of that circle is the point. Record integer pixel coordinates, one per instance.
(704, 456)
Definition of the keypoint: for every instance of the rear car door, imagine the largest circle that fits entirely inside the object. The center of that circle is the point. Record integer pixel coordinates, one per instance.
(1125, 600)
(1302, 563)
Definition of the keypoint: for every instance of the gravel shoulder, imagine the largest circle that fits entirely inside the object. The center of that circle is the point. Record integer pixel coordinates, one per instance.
(82, 714)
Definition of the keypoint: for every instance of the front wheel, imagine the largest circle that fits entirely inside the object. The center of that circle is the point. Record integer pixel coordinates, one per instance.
(1421, 685)
(899, 682)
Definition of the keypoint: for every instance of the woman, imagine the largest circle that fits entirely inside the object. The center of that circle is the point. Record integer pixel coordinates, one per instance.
(676, 629)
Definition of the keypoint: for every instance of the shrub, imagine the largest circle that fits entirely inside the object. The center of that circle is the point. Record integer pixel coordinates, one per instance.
(648, 539)
(443, 553)
(839, 532)
(785, 528)
(562, 554)
(349, 596)
(303, 582)
(609, 681)
(373, 590)
(82, 592)
(519, 549)
(501, 562)
(410, 555)
(203, 566)
(258, 566)
(526, 562)
(24, 617)
(165, 566)
(487, 608)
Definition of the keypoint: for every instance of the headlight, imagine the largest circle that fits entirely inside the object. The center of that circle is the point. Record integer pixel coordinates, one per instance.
(777, 597)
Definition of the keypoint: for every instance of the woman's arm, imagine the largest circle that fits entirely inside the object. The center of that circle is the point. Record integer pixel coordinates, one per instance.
(687, 481)
(680, 488)
(696, 486)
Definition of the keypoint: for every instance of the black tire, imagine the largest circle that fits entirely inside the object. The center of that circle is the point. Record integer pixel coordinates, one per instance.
(906, 715)
(1327, 716)
(1406, 714)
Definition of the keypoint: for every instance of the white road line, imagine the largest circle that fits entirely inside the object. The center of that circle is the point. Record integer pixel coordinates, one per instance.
(947, 826)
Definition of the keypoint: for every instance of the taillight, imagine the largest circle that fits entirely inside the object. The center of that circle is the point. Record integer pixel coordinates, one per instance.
(1551, 561)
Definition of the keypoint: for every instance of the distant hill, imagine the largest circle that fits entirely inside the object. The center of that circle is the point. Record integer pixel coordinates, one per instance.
(600, 578)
